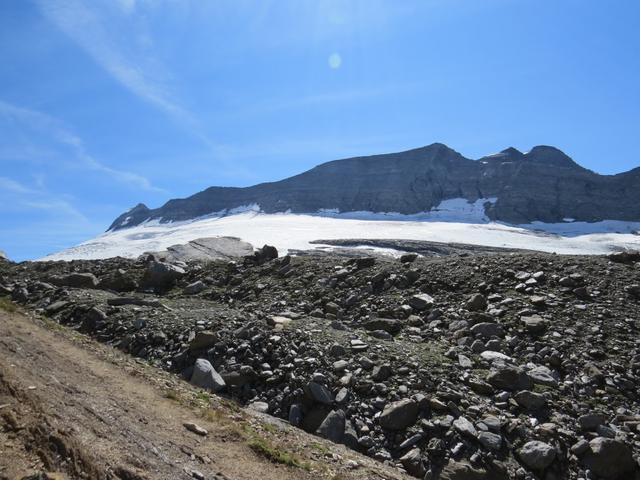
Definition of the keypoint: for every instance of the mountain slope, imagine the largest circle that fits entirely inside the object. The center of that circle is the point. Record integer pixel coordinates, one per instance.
(542, 185)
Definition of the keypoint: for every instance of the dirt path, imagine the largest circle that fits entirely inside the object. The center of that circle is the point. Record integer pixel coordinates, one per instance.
(84, 410)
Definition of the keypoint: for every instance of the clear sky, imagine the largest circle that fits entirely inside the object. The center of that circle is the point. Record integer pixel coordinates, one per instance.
(106, 103)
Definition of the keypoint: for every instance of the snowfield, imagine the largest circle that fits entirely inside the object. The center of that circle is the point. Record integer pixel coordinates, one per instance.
(295, 232)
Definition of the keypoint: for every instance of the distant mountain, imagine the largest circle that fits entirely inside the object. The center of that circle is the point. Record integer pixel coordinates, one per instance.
(541, 185)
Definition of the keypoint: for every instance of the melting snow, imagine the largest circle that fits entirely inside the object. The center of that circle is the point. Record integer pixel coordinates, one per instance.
(293, 231)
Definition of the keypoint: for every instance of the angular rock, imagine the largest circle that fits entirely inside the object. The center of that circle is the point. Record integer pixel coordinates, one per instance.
(509, 378)
(535, 324)
(465, 428)
(408, 257)
(488, 329)
(76, 280)
(203, 341)
(333, 426)
(195, 428)
(399, 415)
(530, 400)
(160, 276)
(608, 458)
(194, 288)
(476, 302)
(388, 325)
(205, 376)
(421, 301)
(490, 441)
(320, 393)
(542, 376)
(537, 455)
(412, 463)
(118, 281)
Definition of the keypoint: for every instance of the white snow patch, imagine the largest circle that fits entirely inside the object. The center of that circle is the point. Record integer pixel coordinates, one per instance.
(451, 210)
(295, 232)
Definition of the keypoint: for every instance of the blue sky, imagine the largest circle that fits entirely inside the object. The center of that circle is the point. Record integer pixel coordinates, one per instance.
(107, 103)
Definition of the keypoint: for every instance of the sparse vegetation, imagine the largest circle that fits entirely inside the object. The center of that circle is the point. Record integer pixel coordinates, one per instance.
(173, 395)
(7, 305)
(322, 449)
(203, 396)
(272, 452)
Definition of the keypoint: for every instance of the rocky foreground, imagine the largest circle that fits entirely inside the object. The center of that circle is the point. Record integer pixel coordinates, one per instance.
(482, 366)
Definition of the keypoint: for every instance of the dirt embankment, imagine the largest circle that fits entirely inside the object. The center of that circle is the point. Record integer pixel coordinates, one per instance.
(76, 409)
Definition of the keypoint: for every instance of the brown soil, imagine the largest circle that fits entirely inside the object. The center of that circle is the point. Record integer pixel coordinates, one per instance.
(83, 410)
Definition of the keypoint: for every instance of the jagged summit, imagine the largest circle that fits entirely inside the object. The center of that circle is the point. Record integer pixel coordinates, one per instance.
(543, 184)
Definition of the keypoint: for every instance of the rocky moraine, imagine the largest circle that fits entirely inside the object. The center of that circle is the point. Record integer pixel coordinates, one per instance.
(466, 366)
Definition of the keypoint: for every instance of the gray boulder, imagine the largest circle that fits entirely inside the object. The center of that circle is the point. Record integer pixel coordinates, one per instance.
(476, 302)
(399, 415)
(488, 329)
(608, 458)
(465, 428)
(319, 393)
(205, 376)
(203, 341)
(76, 280)
(535, 324)
(509, 378)
(332, 427)
(194, 288)
(421, 301)
(530, 400)
(161, 276)
(118, 281)
(389, 325)
(490, 441)
(412, 463)
(537, 455)
(206, 250)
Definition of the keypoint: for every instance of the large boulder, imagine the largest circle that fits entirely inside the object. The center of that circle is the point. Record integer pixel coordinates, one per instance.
(530, 400)
(488, 329)
(206, 249)
(399, 415)
(118, 281)
(332, 427)
(509, 378)
(203, 340)
(319, 393)
(262, 255)
(537, 455)
(389, 325)
(413, 463)
(421, 301)
(626, 256)
(535, 324)
(476, 302)
(205, 376)
(160, 276)
(75, 280)
(608, 458)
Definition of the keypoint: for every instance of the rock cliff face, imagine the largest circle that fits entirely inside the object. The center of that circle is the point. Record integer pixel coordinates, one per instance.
(543, 184)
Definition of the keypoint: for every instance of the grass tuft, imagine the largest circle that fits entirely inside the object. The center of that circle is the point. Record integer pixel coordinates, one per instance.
(173, 395)
(275, 454)
(7, 305)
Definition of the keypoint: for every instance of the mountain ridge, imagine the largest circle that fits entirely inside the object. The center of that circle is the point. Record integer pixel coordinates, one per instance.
(543, 184)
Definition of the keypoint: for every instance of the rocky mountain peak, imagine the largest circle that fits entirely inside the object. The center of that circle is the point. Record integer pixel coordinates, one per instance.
(543, 184)
(550, 156)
